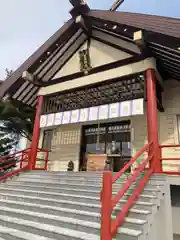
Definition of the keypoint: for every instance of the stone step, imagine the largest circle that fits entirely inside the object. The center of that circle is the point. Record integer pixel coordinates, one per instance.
(17, 201)
(83, 179)
(70, 223)
(13, 234)
(66, 206)
(53, 232)
(80, 184)
(73, 196)
(84, 191)
(79, 174)
(56, 207)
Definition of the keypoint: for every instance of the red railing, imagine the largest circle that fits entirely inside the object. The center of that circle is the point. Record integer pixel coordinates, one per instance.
(18, 161)
(170, 159)
(14, 163)
(109, 227)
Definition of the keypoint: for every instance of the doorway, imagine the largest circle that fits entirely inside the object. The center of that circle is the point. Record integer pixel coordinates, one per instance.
(111, 139)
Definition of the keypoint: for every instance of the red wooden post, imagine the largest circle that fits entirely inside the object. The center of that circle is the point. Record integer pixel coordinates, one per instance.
(36, 134)
(21, 160)
(106, 208)
(152, 119)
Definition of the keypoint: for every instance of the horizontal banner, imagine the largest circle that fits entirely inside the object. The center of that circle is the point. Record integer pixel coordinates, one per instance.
(108, 111)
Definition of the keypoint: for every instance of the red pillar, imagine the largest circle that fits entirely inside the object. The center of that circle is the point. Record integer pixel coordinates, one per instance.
(152, 119)
(106, 206)
(36, 134)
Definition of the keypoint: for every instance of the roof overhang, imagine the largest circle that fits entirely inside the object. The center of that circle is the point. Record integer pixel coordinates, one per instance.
(161, 35)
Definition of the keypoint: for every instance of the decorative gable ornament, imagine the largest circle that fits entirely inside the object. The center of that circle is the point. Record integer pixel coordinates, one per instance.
(85, 61)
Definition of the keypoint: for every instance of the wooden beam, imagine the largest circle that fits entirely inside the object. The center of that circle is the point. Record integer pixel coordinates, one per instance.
(31, 78)
(64, 57)
(116, 41)
(139, 40)
(96, 70)
(79, 7)
(81, 23)
(28, 76)
(76, 3)
(13, 80)
(59, 54)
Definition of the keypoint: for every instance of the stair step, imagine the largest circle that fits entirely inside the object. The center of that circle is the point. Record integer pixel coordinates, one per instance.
(66, 196)
(17, 201)
(78, 185)
(54, 232)
(72, 209)
(66, 206)
(73, 223)
(84, 179)
(89, 199)
(145, 196)
(12, 234)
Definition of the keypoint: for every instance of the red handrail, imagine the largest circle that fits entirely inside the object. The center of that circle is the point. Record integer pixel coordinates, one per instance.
(109, 227)
(126, 186)
(16, 157)
(22, 158)
(134, 196)
(133, 160)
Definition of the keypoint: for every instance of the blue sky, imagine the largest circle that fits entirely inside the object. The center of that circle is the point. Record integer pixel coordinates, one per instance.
(25, 25)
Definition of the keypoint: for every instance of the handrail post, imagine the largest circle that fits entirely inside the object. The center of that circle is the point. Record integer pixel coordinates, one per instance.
(21, 160)
(46, 160)
(106, 207)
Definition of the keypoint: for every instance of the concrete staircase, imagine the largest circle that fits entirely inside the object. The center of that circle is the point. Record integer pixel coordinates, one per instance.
(64, 206)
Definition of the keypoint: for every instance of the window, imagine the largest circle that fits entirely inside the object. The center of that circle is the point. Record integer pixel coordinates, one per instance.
(47, 139)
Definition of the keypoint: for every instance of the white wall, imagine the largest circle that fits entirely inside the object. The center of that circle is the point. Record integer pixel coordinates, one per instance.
(65, 147)
(168, 124)
(176, 219)
(100, 77)
(100, 54)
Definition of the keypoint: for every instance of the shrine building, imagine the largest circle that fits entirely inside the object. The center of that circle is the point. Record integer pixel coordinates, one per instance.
(103, 85)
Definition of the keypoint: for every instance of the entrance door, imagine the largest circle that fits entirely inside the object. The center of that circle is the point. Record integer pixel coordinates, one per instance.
(114, 140)
(119, 146)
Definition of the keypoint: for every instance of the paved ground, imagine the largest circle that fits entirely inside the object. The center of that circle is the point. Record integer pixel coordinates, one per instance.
(176, 237)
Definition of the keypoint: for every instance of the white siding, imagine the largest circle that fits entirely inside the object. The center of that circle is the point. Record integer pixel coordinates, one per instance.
(168, 124)
(65, 147)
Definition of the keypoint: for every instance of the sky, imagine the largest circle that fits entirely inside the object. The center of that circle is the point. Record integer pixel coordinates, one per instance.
(26, 24)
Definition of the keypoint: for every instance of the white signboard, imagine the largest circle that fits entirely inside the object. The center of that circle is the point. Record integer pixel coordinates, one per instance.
(58, 118)
(113, 110)
(75, 116)
(93, 113)
(66, 117)
(83, 115)
(138, 106)
(43, 121)
(125, 108)
(50, 120)
(103, 111)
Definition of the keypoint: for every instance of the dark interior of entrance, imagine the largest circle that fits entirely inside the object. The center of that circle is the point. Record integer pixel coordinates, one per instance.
(111, 139)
